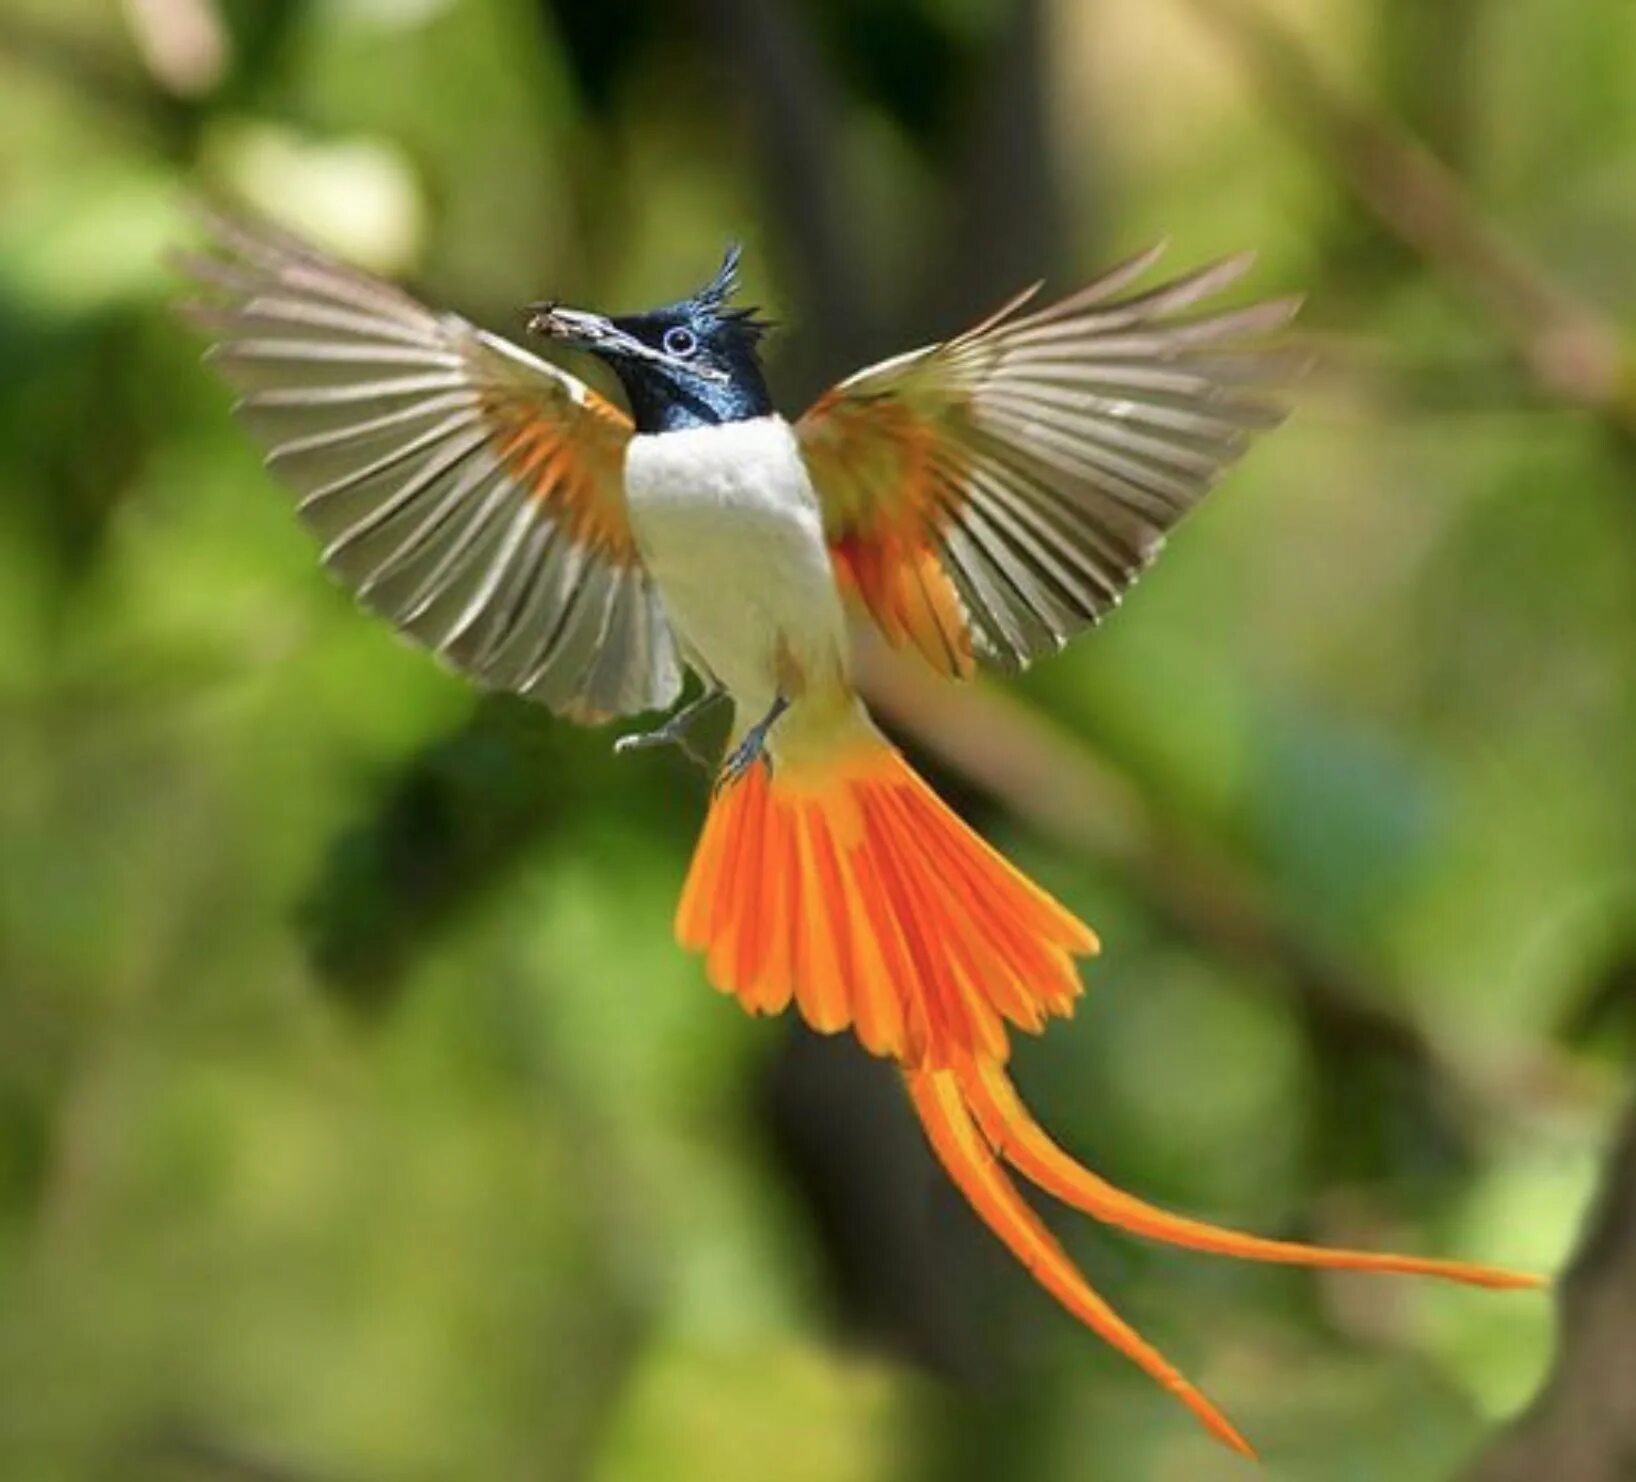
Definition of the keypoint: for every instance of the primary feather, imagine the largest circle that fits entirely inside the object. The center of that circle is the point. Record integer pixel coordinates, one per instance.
(993, 495)
(464, 489)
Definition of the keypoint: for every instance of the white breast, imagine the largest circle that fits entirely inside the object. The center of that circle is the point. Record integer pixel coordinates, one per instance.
(729, 526)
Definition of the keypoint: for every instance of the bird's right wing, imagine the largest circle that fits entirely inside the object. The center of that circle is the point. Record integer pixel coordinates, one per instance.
(990, 496)
(466, 490)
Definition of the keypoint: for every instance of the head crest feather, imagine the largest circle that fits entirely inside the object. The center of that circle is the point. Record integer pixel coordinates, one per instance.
(724, 285)
(714, 296)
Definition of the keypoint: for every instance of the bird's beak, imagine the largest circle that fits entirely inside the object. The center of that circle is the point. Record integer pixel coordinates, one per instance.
(572, 326)
(597, 333)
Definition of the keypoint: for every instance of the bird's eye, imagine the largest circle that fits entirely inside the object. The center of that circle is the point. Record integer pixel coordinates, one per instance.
(680, 342)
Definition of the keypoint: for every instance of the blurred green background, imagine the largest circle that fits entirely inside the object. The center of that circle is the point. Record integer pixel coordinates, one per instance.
(359, 1121)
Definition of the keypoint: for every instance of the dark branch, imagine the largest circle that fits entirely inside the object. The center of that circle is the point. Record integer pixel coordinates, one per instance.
(1582, 1426)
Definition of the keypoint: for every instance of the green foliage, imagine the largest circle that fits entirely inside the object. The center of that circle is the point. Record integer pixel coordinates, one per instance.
(358, 1119)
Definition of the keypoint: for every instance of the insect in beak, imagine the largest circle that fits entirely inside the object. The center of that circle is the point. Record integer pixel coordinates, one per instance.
(600, 335)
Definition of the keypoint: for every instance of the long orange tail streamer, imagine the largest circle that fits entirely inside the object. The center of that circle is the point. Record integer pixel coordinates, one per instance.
(1023, 1143)
(955, 1139)
(844, 885)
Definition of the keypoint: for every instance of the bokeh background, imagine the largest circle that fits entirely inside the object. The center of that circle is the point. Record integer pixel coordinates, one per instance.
(359, 1121)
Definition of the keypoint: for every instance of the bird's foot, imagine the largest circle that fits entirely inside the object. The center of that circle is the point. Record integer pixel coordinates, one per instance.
(752, 749)
(674, 732)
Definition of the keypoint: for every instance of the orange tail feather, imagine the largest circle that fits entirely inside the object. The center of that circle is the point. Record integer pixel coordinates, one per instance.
(843, 883)
(962, 1151)
(838, 881)
(1015, 1135)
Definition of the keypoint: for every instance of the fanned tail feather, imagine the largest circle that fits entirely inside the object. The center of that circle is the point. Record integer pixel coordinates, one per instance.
(845, 885)
(838, 881)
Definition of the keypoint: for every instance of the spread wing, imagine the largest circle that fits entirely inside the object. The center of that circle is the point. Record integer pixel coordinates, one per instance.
(466, 490)
(993, 495)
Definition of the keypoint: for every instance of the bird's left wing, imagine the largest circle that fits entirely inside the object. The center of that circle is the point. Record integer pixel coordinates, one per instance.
(466, 490)
(990, 496)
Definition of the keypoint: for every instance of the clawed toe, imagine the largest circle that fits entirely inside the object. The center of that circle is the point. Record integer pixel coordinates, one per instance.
(674, 732)
(746, 754)
(752, 749)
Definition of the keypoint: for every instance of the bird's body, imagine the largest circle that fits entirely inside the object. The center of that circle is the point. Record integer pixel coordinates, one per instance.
(730, 529)
(980, 500)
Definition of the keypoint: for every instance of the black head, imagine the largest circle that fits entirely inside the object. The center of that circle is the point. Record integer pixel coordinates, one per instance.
(690, 364)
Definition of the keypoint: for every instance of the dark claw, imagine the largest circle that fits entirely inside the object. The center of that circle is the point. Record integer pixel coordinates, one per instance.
(749, 751)
(752, 749)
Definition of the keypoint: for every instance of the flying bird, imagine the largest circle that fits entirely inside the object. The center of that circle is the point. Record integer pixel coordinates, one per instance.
(980, 500)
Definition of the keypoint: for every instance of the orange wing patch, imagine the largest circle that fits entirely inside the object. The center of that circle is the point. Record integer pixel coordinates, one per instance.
(572, 471)
(910, 597)
(461, 487)
(901, 473)
(1037, 460)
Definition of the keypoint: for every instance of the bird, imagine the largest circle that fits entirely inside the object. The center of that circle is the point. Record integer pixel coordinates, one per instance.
(977, 501)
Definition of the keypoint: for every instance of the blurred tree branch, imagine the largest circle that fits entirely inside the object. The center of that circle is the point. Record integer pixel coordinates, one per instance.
(184, 1450)
(1582, 1426)
(1006, 225)
(1572, 353)
(797, 117)
(1425, 51)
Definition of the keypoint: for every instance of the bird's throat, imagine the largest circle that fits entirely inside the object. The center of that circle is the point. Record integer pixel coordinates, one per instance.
(662, 401)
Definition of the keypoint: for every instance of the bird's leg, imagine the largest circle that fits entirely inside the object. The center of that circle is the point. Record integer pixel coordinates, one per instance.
(675, 728)
(752, 748)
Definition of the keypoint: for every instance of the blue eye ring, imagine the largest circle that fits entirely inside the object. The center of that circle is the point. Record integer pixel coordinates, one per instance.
(680, 341)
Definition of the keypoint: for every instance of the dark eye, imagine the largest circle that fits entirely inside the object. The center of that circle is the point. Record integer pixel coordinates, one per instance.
(680, 342)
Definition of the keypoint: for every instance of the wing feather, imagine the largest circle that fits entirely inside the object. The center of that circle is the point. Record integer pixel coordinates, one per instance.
(467, 491)
(1038, 459)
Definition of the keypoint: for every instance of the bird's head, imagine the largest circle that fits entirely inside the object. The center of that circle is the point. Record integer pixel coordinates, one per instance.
(692, 363)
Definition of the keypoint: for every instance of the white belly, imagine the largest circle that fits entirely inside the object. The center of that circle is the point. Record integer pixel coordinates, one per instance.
(729, 526)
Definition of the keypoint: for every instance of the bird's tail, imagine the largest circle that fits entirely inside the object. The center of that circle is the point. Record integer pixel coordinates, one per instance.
(838, 881)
